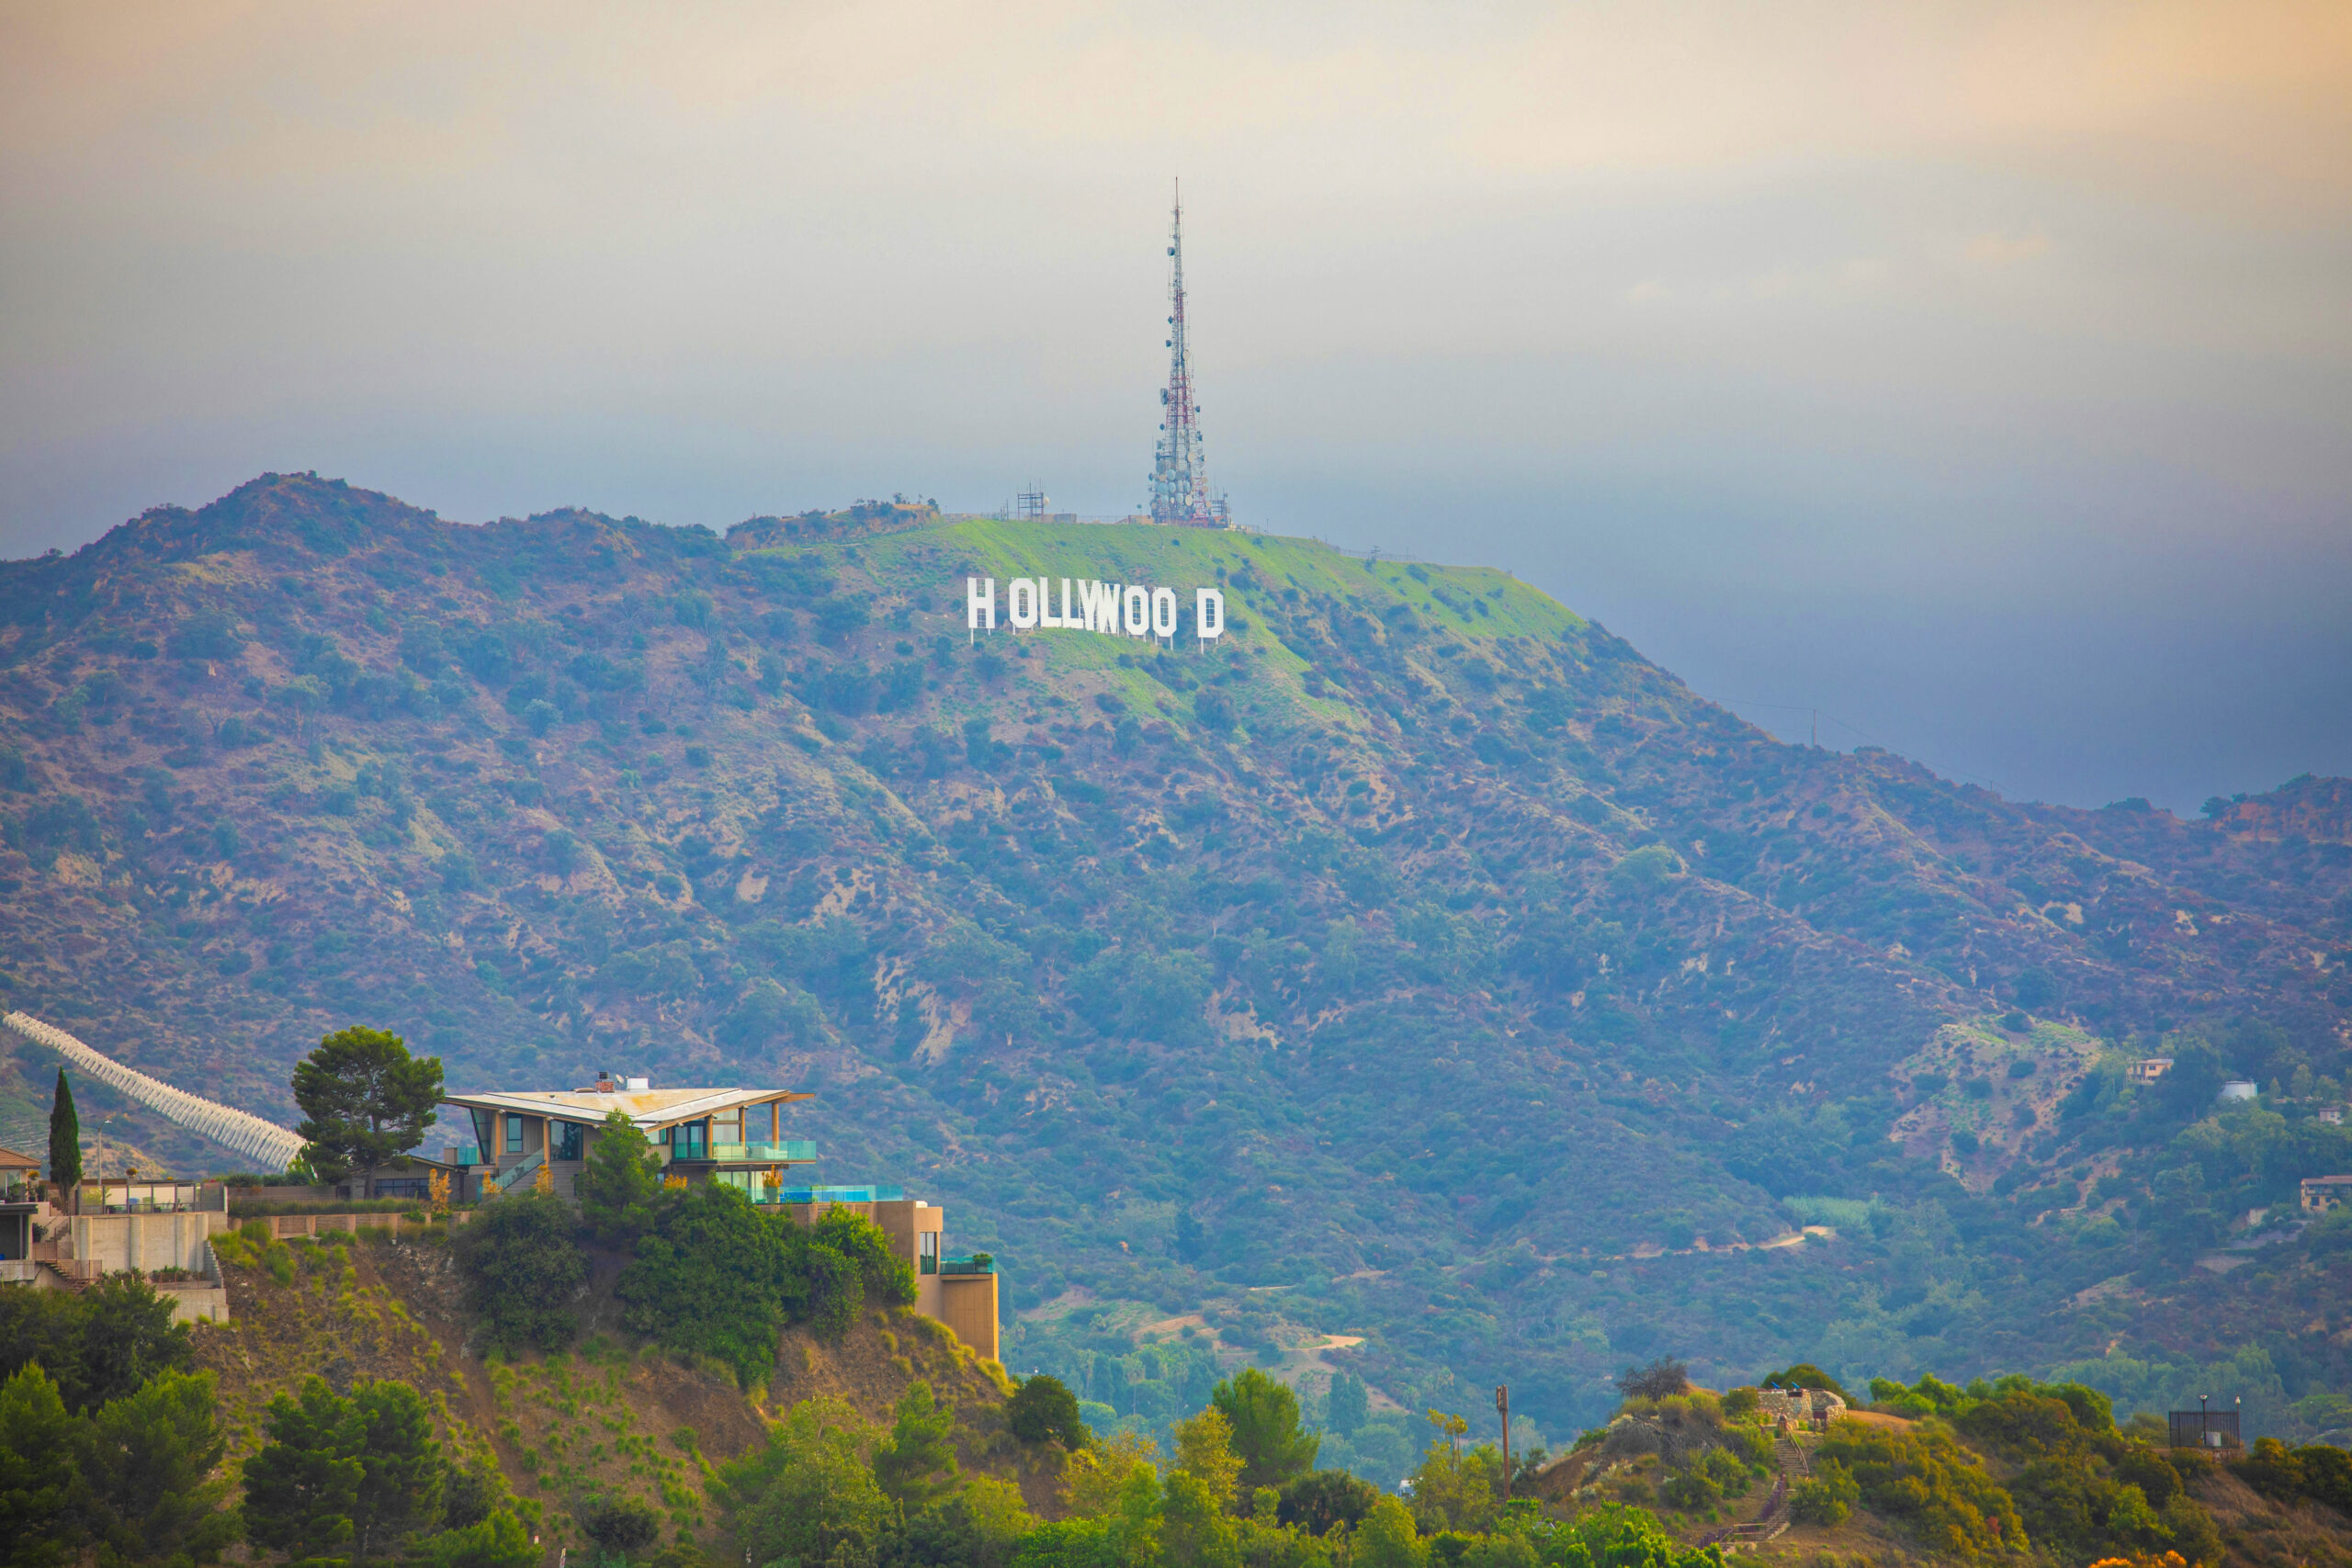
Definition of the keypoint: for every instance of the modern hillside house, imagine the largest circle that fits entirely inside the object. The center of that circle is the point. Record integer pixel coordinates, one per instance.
(702, 1135)
(730, 1136)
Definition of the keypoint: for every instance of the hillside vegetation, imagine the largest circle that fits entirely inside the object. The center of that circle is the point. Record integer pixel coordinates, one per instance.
(358, 1409)
(1416, 982)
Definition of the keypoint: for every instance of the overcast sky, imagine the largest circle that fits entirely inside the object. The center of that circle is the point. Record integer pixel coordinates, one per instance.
(1978, 374)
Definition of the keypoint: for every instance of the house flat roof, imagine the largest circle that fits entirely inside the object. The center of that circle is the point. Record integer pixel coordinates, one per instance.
(648, 1108)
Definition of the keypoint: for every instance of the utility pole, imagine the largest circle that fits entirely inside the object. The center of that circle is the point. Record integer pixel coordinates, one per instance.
(1502, 1408)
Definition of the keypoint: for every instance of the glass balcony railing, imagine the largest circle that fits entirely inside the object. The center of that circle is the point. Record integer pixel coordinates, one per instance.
(830, 1195)
(792, 1151)
(983, 1264)
(461, 1154)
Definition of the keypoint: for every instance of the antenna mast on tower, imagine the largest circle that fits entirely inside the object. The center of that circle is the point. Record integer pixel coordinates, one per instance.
(1180, 484)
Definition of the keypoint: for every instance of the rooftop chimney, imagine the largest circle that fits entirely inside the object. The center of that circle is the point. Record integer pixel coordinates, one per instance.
(634, 1085)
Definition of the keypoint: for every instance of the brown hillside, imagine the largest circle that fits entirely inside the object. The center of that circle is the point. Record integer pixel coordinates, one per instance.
(611, 1416)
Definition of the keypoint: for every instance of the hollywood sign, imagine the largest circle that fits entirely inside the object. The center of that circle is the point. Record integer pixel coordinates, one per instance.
(1108, 609)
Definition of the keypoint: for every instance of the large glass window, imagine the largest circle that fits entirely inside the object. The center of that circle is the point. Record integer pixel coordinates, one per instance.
(692, 1141)
(727, 1127)
(513, 1135)
(927, 1246)
(568, 1138)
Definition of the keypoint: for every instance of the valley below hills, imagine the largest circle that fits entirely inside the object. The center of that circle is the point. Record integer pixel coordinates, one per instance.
(1415, 981)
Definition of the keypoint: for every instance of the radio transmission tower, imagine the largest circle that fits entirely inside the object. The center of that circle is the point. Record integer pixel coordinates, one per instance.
(1180, 483)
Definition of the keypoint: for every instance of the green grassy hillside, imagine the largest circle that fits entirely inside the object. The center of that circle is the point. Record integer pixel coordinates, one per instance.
(1417, 967)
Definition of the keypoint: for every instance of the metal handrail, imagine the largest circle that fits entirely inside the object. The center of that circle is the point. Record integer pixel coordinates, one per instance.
(505, 1179)
(793, 1151)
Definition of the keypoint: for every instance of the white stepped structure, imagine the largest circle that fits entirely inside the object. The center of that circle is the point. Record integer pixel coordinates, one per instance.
(270, 1145)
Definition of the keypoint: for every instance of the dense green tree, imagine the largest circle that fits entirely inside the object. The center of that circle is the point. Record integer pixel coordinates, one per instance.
(98, 1344)
(364, 1099)
(619, 1525)
(943, 1536)
(1825, 1497)
(1350, 1404)
(620, 1183)
(302, 1485)
(1805, 1375)
(1458, 1489)
(1322, 1500)
(64, 1138)
(1388, 1538)
(1266, 1431)
(808, 1491)
(1043, 1409)
(496, 1540)
(401, 1467)
(357, 1477)
(878, 1274)
(36, 1470)
(1659, 1379)
(521, 1260)
(1205, 1452)
(916, 1464)
(717, 1277)
(1613, 1535)
(147, 1469)
(470, 1494)
(127, 1337)
(711, 1279)
(2190, 1085)
(1196, 1530)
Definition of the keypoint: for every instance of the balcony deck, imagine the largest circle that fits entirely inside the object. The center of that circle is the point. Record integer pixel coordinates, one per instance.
(797, 1151)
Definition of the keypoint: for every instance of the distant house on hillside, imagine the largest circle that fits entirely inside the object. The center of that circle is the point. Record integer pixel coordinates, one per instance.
(2238, 1088)
(18, 1207)
(730, 1136)
(2148, 1070)
(1814, 1407)
(2322, 1193)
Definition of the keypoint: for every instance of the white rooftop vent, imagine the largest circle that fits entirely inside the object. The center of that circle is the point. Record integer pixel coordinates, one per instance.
(633, 1085)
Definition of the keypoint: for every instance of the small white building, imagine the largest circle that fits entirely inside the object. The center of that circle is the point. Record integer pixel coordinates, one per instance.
(2238, 1088)
(1799, 1406)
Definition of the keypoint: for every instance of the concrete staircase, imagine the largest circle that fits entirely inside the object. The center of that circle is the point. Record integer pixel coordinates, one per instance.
(1773, 1518)
(73, 1273)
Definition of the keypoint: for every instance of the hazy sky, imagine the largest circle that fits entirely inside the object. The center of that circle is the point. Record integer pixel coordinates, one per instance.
(1980, 374)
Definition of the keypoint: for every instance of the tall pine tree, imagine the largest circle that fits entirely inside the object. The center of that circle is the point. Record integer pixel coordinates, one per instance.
(64, 1139)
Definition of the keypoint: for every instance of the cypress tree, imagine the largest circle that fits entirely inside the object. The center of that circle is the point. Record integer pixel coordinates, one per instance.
(64, 1139)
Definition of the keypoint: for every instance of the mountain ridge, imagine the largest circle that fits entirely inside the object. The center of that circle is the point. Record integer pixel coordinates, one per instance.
(1419, 900)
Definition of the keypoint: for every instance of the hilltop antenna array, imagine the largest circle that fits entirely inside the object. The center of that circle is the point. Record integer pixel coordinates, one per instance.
(1180, 484)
